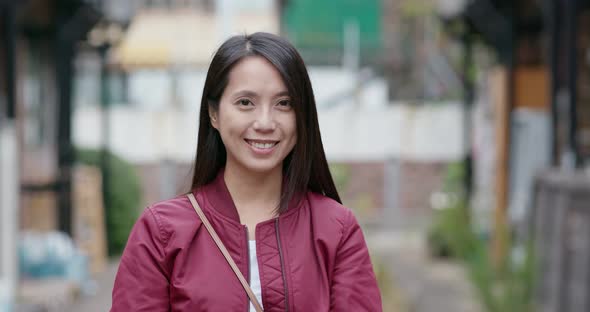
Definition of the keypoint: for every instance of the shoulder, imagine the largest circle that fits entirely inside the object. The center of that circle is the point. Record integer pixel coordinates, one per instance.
(170, 210)
(172, 215)
(331, 211)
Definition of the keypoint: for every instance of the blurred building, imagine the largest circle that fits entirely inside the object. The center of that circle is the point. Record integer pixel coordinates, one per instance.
(157, 72)
(47, 36)
(38, 40)
(533, 113)
(421, 61)
(535, 95)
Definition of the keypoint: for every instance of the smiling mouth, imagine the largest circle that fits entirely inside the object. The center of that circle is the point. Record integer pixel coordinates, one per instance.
(262, 144)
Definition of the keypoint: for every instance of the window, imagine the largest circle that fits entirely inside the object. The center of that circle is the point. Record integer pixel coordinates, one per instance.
(38, 87)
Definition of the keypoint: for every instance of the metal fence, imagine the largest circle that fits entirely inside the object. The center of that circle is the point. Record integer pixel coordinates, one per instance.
(562, 236)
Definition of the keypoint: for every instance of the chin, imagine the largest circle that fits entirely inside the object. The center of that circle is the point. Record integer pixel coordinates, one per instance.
(262, 167)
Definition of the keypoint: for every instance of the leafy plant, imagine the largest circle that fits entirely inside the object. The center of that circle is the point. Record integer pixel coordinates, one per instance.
(122, 197)
(341, 175)
(506, 287)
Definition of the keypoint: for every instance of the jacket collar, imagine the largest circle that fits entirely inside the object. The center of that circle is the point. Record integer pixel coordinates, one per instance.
(220, 198)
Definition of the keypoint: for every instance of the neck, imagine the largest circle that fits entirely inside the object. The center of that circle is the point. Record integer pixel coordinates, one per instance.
(254, 191)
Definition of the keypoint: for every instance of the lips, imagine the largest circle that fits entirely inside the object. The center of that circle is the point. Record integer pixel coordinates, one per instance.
(262, 144)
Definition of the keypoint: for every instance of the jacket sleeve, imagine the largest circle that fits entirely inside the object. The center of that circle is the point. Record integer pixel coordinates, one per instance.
(354, 286)
(142, 280)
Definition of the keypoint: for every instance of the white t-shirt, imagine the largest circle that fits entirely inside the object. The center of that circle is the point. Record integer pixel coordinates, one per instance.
(254, 274)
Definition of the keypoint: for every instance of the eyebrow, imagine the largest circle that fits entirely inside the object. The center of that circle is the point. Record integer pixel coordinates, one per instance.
(253, 94)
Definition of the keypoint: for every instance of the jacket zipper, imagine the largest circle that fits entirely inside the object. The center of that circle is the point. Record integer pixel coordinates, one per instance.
(248, 265)
(282, 265)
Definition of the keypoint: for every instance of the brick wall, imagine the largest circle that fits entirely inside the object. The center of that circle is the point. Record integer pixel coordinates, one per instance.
(366, 189)
(38, 209)
(417, 181)
(362, 187)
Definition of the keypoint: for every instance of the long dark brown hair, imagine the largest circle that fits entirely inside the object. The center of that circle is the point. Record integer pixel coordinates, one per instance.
(305, 168)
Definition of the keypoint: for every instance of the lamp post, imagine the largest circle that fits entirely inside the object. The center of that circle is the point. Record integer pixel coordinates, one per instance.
(102, 37)
(453, 9)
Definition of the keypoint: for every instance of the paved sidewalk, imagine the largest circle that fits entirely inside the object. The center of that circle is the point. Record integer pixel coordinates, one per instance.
(101, 301)
(423, 283)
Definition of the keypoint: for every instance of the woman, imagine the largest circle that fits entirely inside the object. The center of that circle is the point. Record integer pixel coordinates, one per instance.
(262, 180)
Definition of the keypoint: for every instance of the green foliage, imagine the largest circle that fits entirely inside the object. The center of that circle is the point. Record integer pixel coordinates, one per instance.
(417, 8)
(123, 197)
(362, 205)
(506, 287)
(341, 175)
(361, 202)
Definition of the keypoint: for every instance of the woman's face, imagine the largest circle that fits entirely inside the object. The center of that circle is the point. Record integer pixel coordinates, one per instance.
(255, 118)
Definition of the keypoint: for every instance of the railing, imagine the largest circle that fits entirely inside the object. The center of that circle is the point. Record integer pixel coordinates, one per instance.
(562, 236)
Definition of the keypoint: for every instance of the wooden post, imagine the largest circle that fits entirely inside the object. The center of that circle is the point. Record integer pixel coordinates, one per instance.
(500, 97)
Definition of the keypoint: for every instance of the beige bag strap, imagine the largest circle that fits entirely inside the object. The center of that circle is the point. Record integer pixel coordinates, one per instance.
(225, 253)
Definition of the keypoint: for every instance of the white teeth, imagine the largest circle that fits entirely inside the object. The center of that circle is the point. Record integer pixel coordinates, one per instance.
(262, 145)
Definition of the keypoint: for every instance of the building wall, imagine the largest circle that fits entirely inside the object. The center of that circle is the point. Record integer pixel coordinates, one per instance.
(161, 181)
(37, 123)
(418, 181)
(394, 157)
(428, 133)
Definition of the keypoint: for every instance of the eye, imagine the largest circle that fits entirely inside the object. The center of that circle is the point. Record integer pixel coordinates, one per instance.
(244, 102)
(284, 103)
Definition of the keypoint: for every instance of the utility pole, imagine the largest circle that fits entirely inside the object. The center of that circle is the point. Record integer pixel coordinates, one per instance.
(9, 164)
(468, 95)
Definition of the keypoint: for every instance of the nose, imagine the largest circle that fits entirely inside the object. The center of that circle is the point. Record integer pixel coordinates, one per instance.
(264, 121)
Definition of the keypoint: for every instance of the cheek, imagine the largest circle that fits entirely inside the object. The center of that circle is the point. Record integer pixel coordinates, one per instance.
(291, 130)
(291, 125)
(230, 121)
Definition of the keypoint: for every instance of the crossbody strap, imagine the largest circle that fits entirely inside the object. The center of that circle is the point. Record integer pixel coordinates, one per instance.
(225, 253)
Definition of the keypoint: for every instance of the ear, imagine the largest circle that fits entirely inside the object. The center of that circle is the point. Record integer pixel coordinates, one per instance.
(213, 118)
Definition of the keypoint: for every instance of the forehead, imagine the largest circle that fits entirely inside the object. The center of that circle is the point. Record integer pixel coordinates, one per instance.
(256, 74)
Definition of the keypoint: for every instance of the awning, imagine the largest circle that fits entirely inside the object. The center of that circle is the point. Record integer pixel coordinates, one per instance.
(180, 38)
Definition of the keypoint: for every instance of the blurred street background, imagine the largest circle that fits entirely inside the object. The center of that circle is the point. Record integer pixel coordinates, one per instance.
(457, 130)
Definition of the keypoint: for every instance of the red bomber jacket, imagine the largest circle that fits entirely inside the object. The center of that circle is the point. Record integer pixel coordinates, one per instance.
(313, 257)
